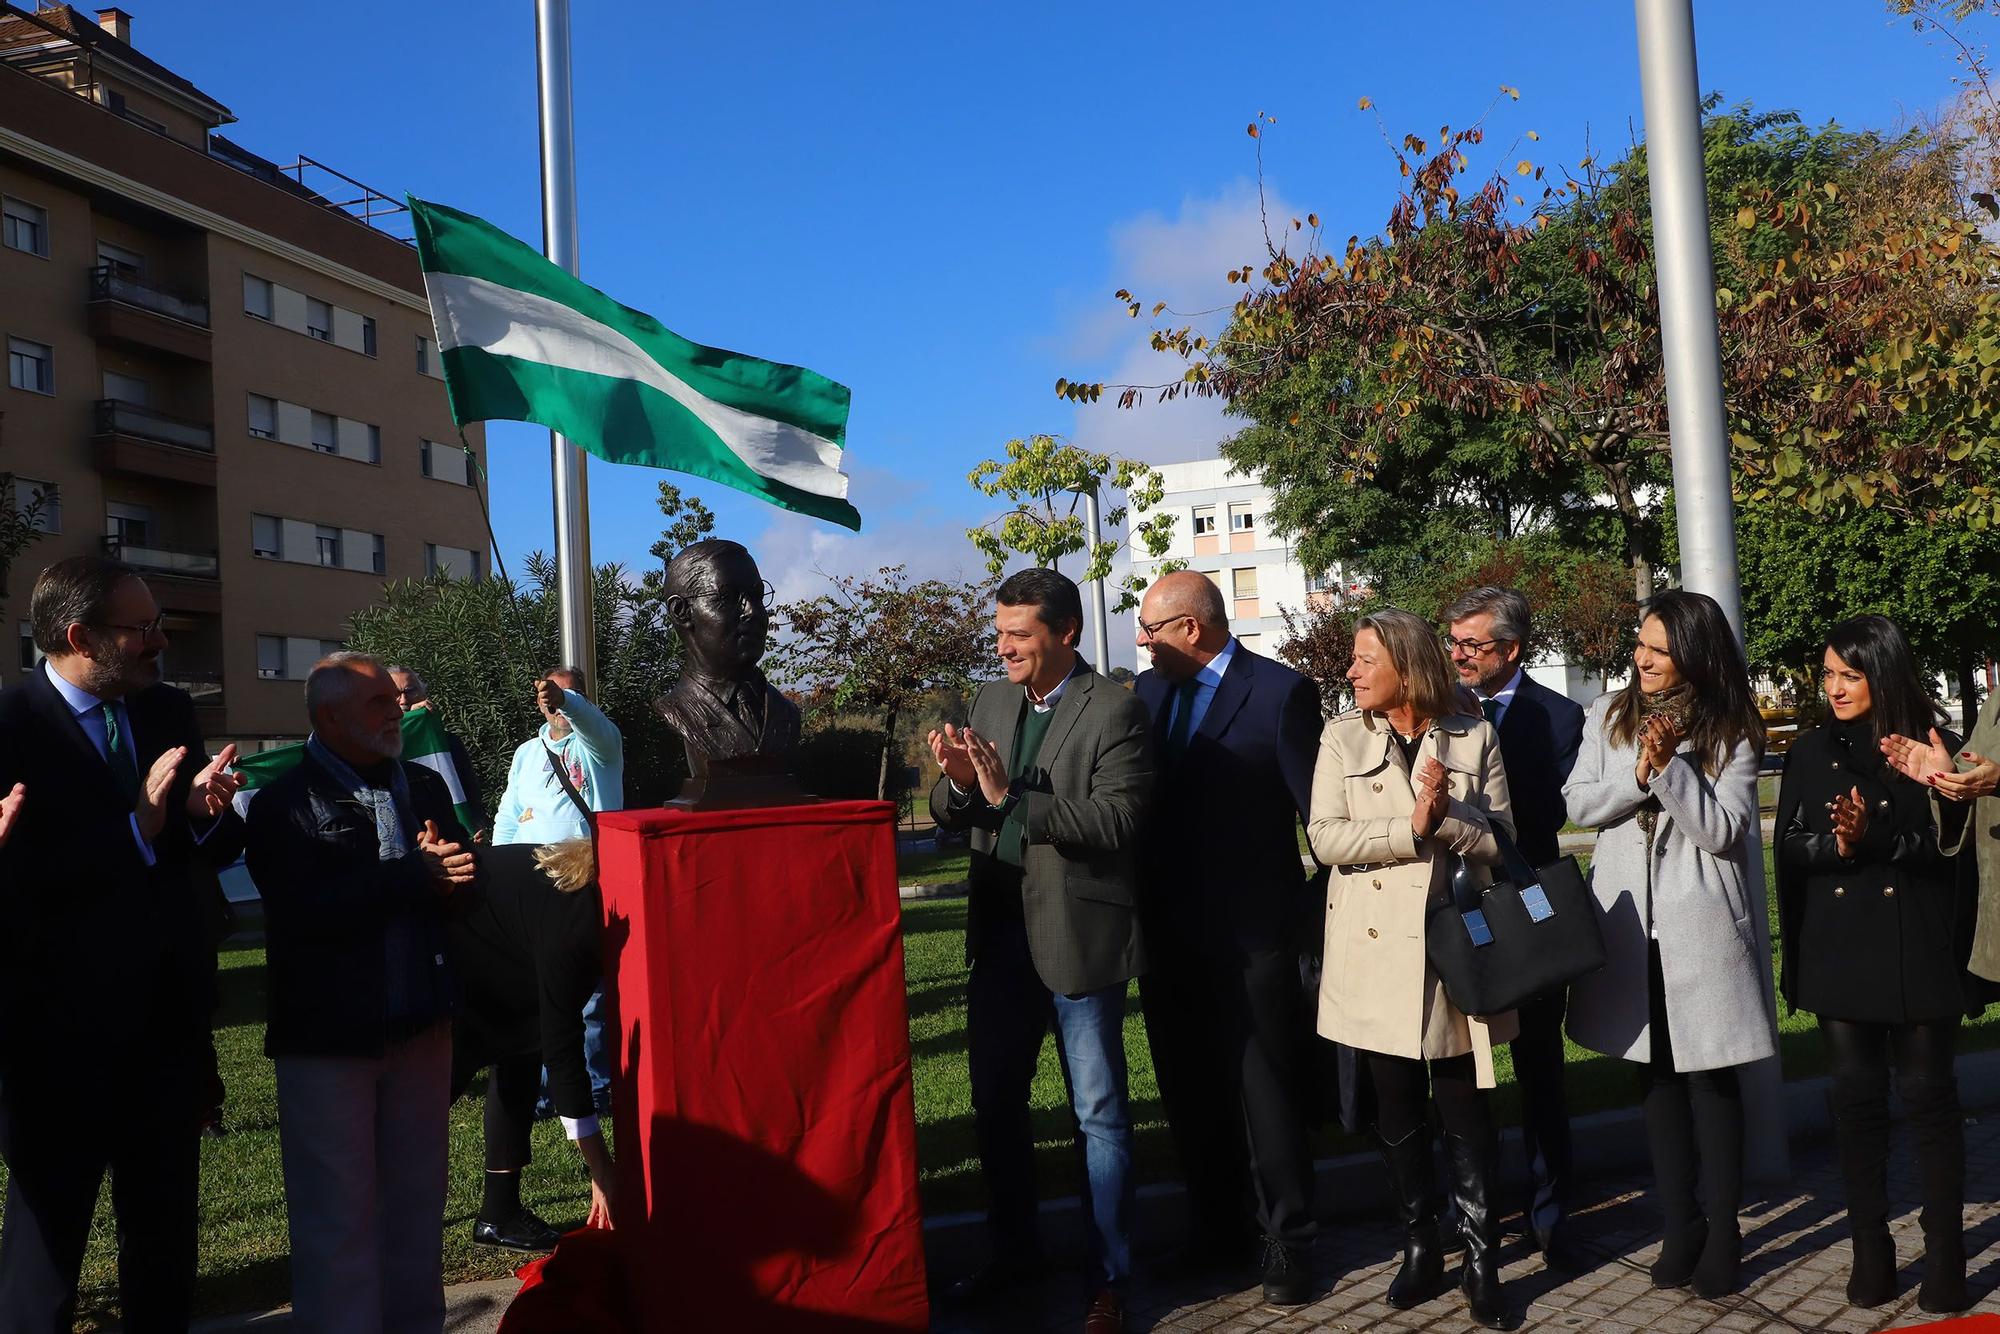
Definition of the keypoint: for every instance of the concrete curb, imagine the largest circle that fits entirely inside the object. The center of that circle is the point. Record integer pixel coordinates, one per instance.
(950, 889)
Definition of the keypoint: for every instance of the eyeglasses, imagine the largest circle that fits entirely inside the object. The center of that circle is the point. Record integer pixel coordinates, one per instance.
(746, 601)
(148, 630)
(1150, 630)
(1472, 648)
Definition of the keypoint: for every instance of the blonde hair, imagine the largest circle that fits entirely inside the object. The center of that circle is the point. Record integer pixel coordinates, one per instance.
(569, 865)
(1418, 658)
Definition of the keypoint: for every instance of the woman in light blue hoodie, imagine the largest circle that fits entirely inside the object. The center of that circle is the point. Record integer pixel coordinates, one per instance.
(535, 807)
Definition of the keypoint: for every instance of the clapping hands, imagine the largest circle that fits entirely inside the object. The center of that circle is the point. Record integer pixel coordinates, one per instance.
(1850, 821)
(1433, 787)
(1659, 737)
(215, 787)
(1931, 764)
(10, 811)
(970, 760)
(451, 865)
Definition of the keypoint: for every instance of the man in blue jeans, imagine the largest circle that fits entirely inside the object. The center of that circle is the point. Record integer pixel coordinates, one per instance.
(1052, 777)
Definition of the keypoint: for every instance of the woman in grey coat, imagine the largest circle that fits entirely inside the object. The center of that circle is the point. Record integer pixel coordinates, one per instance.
(1668, 775)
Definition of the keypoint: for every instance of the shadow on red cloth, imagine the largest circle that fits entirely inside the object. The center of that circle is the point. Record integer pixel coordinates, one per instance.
(693, 1263)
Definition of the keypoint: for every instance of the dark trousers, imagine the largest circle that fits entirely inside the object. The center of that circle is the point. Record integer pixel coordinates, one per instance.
(1538, 1068)
(1009, 1012)
(1225, 1039)
(513, 1086)
(1694, 1127)
(58, 1144)
(1862, 1055)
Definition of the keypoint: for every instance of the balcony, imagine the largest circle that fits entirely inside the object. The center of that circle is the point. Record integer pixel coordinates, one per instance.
(124, 309)
(182, 578)
(137, 440)
(205, 688)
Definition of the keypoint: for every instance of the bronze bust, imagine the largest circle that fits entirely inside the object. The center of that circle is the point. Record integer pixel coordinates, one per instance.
(739, 731)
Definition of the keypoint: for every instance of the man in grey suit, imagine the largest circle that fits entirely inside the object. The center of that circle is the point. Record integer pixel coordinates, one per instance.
(1052, 777)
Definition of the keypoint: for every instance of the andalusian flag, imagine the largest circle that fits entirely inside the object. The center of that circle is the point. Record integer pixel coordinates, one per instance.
(525, 341)
(423, 743)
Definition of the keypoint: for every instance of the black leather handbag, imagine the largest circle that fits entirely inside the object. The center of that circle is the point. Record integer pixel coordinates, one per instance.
(1499, 945)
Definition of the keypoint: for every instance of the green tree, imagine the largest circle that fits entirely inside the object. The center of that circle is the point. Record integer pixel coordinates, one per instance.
(1046, 479)
(20, 524)
(881, 646)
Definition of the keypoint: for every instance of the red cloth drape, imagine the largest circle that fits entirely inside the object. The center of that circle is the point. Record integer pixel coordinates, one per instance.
(765, 1132)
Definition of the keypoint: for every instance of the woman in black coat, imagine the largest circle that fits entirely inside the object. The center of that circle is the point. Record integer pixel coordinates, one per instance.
(1876, 926)
(527, 958)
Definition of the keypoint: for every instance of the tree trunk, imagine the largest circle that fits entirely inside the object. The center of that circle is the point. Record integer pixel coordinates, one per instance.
(888, 744)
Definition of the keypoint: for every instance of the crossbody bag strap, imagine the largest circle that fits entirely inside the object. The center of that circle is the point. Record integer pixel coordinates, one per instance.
(562, 776)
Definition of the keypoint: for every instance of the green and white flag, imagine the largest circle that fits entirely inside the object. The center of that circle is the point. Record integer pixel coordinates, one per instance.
(524, 341)
(424, 742)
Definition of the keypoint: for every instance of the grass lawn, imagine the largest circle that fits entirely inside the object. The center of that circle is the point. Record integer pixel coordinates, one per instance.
(243, 1242)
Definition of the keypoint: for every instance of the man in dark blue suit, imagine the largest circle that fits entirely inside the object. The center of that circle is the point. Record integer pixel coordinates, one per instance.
(1539, 734)
(1236, 736)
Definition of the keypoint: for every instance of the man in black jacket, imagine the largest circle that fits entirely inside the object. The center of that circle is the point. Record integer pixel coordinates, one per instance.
(1540, 731)
(106, 973)
(1237, 735)
(358, 857)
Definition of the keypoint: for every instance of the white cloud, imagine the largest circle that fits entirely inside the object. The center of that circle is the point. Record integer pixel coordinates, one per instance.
(901, 525)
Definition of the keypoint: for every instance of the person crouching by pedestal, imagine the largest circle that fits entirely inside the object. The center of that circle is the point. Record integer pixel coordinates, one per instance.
(358, 858)
(1053, 777)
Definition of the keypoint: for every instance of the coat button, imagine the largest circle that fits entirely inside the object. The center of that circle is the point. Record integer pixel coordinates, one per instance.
(1371, 933)
(1378, 787)
(1376, 883)
(1882, 805)
(1840, 891)
(1888, 891)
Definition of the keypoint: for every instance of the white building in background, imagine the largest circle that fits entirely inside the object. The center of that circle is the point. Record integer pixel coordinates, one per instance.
(1220, 530)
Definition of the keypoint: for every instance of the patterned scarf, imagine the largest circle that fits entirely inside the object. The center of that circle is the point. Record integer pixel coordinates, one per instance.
(391, 806)
(1676, 703)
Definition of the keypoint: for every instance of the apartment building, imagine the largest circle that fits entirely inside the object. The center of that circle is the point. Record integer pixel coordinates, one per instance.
(1220, 530)
(215, 372)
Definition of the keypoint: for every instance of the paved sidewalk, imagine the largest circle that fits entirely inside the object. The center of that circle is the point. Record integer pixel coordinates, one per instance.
(1795, 1268)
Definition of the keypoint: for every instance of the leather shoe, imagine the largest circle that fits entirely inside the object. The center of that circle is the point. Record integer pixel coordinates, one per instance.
(1106, 1314)
(523, 1232)
(1560, 1253)
(998, 1280)
(1288, 1279)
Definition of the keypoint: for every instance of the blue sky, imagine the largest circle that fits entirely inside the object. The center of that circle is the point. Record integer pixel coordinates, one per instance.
(933, 203)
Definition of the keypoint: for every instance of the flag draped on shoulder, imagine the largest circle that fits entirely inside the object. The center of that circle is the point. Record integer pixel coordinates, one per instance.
(424, 742)
(522, 340)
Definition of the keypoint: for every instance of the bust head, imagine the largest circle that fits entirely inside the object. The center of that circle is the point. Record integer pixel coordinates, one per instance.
(720, 605)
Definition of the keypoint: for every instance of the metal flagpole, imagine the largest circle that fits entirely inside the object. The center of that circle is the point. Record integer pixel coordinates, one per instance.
(1693, 355)
(579, 643)
(1098, 620)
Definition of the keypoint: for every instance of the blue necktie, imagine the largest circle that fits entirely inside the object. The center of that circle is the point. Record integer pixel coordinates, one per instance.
(1183, 728)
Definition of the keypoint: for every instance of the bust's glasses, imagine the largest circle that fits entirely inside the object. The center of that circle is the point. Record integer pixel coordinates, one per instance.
(746, 601)
(146, 631)
(1471, 648)
(1150, 630)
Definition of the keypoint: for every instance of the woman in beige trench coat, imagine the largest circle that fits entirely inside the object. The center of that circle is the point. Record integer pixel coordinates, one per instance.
(1407, 789)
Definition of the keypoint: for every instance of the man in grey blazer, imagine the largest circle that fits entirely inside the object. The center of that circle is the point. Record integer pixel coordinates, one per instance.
(1051, 776)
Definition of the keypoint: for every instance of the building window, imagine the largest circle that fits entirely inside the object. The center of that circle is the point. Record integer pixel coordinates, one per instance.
(31, 656)
(267, 537)
(263, 417)
(368, 334)
(1241, 519)
(1243, 582)
(121, 261)
(127, 389)
(1215, 577)
(374, 444)
(328, 541)
(381, 560)
(23, 226)
(128, 525)
(325, 433)
(1328, 582)
(423, 355)
(43, 499)
(1204, 520)
(1255, 643)
(31, 366)
(319, 319)
(446, 463)
(270, 657)
(257, 296)
(457, 562)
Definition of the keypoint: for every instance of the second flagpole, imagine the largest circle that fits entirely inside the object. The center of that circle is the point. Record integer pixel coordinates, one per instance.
(559, 244)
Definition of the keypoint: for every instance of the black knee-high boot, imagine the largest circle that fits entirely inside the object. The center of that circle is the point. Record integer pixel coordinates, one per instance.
(1474, 1169)
(1413, 1188)
(1861, 1137)
(1717, 1103)
(1670, 1138)
(1938, 1129)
